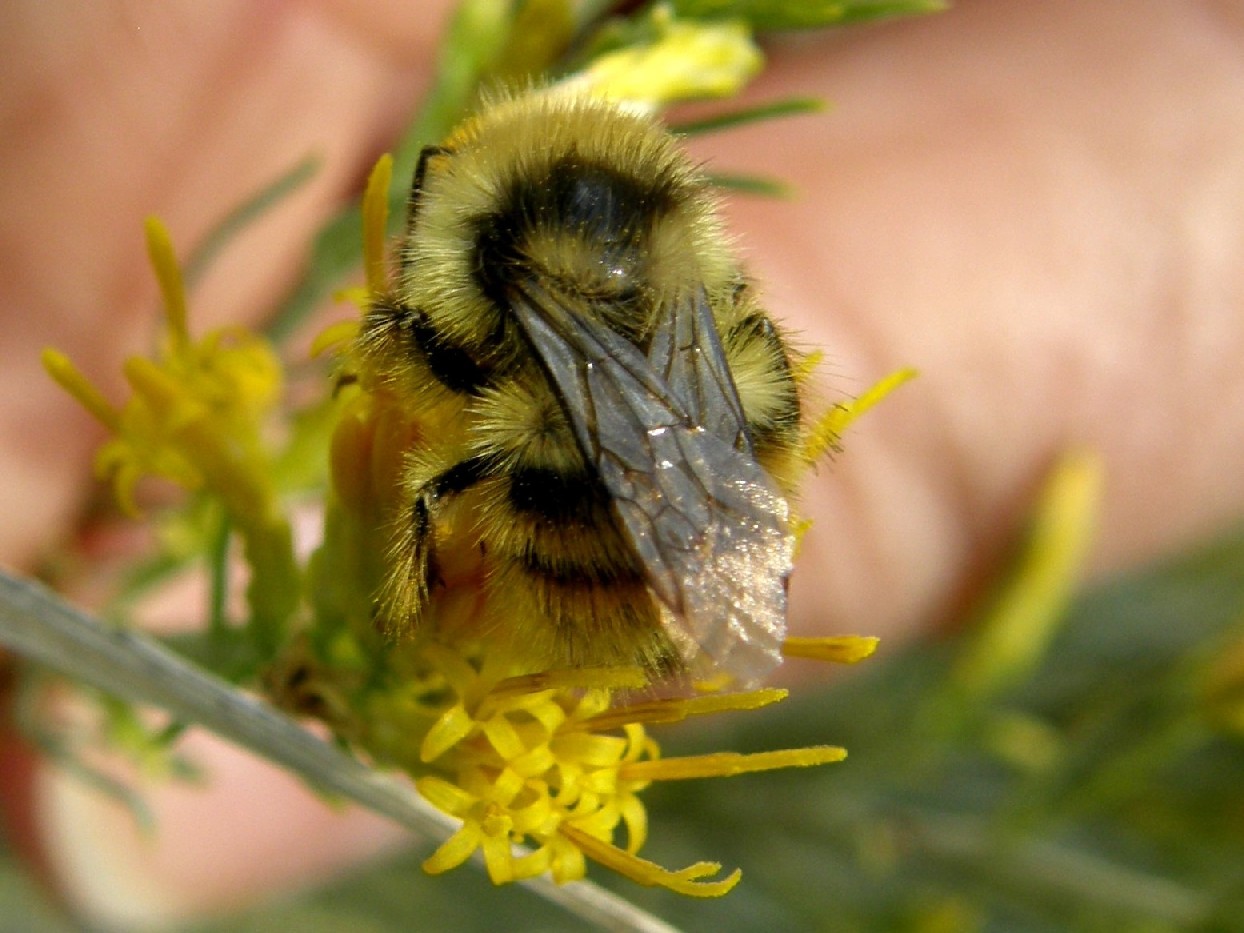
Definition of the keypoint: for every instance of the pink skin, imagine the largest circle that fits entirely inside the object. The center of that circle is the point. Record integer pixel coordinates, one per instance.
(1037, 205)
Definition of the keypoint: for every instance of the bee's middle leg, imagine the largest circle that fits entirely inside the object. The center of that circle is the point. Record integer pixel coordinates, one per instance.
(415, 569)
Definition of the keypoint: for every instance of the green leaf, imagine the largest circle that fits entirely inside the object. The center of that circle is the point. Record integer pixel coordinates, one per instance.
(246, 214)
(475, 38)
(759, 185)
(798, 14)
(788, 107)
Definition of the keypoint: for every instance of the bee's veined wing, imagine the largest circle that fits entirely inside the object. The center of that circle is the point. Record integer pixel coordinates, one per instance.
(710, 528)
(687, 355)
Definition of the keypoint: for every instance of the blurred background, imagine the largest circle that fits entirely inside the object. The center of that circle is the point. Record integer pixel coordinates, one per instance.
(1037, 206)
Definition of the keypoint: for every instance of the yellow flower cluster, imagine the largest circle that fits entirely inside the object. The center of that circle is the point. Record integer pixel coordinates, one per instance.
(545, 769)
(528, 765)
(197, 409)
(197, 417)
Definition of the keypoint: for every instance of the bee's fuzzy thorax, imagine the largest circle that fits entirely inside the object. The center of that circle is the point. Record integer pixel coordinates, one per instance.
(496, 179)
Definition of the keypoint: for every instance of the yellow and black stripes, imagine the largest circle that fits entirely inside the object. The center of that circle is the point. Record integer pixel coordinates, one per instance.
(568, 306)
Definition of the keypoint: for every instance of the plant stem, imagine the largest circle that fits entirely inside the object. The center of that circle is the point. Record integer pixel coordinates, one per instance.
(130, 665)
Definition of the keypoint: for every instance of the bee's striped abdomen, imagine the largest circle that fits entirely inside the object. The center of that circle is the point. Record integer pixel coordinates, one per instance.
(555, 552)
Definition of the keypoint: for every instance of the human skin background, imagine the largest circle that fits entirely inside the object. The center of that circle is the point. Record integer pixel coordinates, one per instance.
(1039, 206)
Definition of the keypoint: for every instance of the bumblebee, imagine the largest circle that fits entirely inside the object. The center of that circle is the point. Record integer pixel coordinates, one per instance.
(621, 421)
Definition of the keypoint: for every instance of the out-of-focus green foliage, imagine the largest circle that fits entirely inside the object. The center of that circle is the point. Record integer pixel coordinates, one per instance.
(1096, 795)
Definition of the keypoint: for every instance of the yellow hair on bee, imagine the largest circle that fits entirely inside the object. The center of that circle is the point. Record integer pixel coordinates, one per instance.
(618, 417)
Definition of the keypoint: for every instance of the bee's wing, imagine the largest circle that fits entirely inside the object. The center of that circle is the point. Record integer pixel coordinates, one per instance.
(709, 526)
(687, 355)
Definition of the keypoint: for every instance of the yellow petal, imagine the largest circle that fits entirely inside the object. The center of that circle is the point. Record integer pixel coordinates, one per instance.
(843, 649)
(1026, 611)
(499, 858)
(727, 764)
(684, 881)
(454, 851)
(333, 336)
(595, 751)
(677, 709)
(635, 816)
(375, 224)
(828, 429)
(70, 378)
(454, 725)
(168, 272)
(503, 737)
(445, 796)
